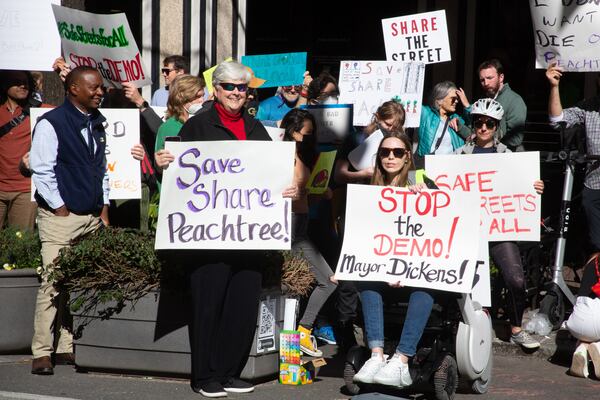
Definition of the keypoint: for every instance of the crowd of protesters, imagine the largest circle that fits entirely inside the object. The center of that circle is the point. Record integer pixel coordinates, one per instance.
(65, 158)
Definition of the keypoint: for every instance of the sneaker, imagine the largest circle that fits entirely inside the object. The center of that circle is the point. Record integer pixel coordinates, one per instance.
(308, 343)
(325, 333)
(579, 365)
(370, 368)
(235, 385)
(524, 339)
(394, 373)
(211, 389)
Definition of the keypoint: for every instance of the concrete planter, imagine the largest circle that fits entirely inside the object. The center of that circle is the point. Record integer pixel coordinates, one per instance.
(18, 292)
(152, 339)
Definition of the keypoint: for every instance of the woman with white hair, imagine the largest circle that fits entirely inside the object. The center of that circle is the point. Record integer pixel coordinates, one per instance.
(225, 285)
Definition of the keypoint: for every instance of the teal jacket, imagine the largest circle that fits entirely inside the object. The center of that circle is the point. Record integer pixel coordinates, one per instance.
(430, 121)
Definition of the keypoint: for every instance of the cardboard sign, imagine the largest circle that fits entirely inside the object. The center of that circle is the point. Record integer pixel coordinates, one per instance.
(334, 121)
(282, 69)
(427, 239)
(368, 84)
(226, 195)
(104, 42)
(510, 207)
(122, 128)
(482, 288)
(364, 155)
(29, 38)
(321, 173)
(566, 32)
(418, 37)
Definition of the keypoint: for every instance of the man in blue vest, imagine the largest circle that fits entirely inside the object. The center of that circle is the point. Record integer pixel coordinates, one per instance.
(69, 172)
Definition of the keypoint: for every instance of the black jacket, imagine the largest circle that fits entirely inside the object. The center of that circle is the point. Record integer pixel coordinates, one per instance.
(207, 126)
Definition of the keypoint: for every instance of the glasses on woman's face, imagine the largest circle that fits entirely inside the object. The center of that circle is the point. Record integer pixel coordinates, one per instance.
(297, 88)
(489, 123)
(230, 87)
(384, 152)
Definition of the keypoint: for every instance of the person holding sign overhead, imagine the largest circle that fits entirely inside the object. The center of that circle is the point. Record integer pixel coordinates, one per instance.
(225, 285)
(441, 130)
(300, 127)
(393, 162)
(487, 114)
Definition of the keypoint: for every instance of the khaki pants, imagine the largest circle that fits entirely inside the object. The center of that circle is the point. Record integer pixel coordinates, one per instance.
(18, 209)
(51, 311)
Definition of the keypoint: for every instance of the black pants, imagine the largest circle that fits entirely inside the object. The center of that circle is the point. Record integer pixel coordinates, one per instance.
(590, 200)
(508, 259)
(225, 296)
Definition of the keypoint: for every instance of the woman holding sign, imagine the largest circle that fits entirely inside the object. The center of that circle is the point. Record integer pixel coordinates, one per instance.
(486, 114)
(300, 126)
(225, 285)
(392, 165)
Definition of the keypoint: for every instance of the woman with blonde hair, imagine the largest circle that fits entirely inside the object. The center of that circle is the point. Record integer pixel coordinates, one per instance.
(186, 95)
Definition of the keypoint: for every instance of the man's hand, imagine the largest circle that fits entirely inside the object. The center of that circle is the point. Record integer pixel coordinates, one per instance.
(137, 151)
(163, 158)
(554, 73)
(61, 211)
(132, 94)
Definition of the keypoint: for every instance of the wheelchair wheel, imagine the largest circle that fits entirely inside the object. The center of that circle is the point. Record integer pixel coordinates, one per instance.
(553, 305)
(349, 373)
(445, 379)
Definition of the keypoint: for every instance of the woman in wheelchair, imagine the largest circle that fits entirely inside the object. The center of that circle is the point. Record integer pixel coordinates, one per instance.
(394, 160)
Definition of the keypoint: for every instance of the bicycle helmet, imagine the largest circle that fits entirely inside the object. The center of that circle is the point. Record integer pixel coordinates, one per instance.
(488, 107)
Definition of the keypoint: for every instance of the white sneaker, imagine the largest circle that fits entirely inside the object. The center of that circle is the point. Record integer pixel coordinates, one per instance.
(370, 368)
(394, 373)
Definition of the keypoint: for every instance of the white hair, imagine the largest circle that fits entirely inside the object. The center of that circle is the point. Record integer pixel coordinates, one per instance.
(231, 71)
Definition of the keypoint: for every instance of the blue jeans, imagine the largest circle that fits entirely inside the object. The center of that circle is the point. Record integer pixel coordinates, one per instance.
(419, 309)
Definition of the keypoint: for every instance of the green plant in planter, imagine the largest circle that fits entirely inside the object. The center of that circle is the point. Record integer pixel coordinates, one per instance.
(19, 249)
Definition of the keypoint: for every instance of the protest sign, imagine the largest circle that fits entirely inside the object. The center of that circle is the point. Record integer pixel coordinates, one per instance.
(334, 121)
(482, 289)
(29, 38)
(104, 42)
(566, 32)
(364, 155)
(275, 133)
(510, 207)
(427, 239)
(318, 182)
(208, 74)
(418, 37)
(122, 128)
(282, 69)
(226, 195)
(160, 111)
(367, 84)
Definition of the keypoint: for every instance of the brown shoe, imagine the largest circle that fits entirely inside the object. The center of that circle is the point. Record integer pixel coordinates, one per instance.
(64, 359)
(42, 366)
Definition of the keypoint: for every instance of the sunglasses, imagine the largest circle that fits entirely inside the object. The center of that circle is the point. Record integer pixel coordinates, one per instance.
(489, 123)
(297, 88)
(167, 71)
(384, 152)
(454, 100)
(230, 87)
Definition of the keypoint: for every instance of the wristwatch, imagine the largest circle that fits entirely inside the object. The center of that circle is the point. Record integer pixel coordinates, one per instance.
(144, 105)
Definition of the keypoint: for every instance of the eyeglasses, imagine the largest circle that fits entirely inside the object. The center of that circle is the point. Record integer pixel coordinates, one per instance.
(489, 123)
(167, 71)
(230, 87)
(297, 88)
(454, 100)
(384, 152)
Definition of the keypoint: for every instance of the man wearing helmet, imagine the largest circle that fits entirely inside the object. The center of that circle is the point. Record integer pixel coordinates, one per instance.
(487, 114)
(590, 197)
(491, 77)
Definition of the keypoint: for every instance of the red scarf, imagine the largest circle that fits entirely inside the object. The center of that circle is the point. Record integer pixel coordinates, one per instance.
(233, 122)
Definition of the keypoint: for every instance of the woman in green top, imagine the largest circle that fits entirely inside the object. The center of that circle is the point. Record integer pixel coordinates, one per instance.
(186, 94)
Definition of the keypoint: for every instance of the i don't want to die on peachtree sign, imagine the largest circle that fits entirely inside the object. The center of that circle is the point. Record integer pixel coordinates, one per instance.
(226, 195)
(427, 239)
